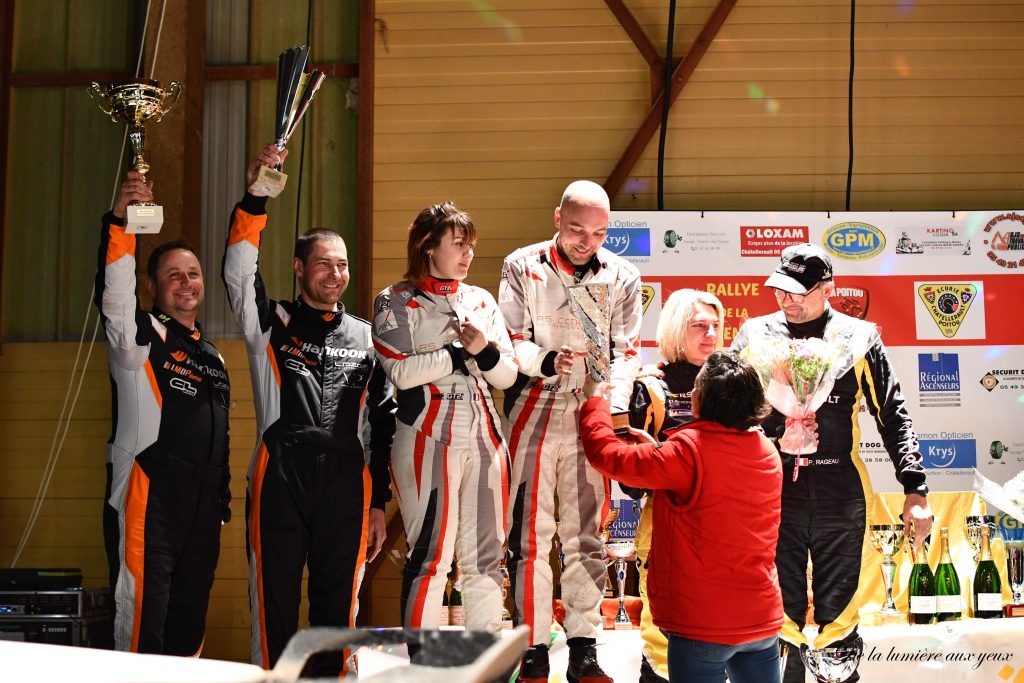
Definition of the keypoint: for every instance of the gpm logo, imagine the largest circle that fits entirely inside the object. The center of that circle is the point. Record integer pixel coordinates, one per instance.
(854, 241)
(628, 241)
(944, 454)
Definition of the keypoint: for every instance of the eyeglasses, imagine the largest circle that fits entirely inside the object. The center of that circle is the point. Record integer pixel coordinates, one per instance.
(798, 298)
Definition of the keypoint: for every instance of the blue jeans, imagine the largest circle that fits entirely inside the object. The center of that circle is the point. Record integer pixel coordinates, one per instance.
(697, 661)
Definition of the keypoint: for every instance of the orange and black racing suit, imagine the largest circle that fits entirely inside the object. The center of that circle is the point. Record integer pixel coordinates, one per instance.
(325, 415)
(169, 460)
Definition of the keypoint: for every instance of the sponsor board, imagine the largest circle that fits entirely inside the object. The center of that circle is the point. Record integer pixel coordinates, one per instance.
(770, 240)
(944, 454)
(933, 241)
(1004, 240)
(651, 298)
(1003, 380)
(943, 310)
(854, 241)
(628, 241)
(706, 241)
(852, 301)
(938, 380)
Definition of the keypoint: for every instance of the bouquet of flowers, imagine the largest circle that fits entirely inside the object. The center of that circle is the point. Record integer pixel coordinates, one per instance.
(1009, 497)
(798, 375)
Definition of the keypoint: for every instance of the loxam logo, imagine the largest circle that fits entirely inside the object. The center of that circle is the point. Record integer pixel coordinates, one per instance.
(628, 241)
(854, 241)
(179, 356)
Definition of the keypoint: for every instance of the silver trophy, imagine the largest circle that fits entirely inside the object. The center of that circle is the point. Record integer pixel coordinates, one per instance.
(974, 524)
(620, 545)
(833, 664)
(1012, 532)
(591, 306)
(887, 539)
(295, 91)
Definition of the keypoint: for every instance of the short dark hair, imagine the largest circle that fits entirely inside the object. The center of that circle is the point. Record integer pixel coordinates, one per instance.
(304, 243)
(155, 256)
(426, 232)
(731, 392)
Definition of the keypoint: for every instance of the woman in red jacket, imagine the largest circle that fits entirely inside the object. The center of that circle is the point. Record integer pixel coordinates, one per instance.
(717, 485)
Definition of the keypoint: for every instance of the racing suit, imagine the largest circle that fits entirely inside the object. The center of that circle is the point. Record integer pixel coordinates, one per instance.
(658, 406)
(449, 462)
(824, 512)
(169, 460)
(325, 419)
(542, 409)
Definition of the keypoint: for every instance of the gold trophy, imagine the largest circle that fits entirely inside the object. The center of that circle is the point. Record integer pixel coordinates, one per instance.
(134, 104)
(295, 91)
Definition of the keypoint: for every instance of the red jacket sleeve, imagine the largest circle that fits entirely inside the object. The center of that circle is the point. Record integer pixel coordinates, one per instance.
(670, 465)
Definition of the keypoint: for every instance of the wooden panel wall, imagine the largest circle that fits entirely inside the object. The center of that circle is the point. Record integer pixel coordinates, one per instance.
(498, 106)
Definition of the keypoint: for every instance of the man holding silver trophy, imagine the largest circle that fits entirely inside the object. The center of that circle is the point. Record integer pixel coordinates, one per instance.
(571, 307)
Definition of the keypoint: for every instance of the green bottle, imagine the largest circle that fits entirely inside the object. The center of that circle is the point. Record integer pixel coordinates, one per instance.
(948, 603)
(922, 588)
(456, 613)
(988, 589)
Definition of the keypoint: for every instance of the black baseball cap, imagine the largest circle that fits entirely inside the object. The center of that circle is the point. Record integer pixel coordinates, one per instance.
(801, 268)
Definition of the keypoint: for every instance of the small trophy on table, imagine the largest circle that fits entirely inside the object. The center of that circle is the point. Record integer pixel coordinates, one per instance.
(295, 91)
(887, 539)
(620, 546)
(134, 104)
(974, 524)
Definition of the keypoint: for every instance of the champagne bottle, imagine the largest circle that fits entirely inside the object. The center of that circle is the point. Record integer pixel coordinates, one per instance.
(922, 588)
(444, 607)
(456, 614)
(948, 603)
(988, 596)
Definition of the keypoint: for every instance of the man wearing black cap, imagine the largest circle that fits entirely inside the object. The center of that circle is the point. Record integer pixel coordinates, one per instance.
(824, 503)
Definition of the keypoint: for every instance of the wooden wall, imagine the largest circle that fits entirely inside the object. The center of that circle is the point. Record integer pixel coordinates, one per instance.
(499, 105)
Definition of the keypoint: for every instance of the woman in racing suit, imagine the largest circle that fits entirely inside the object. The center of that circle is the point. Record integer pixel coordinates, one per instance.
(444, 344)
(689, 330)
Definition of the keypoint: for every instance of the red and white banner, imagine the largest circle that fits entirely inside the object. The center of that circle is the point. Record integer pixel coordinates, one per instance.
(945, 289)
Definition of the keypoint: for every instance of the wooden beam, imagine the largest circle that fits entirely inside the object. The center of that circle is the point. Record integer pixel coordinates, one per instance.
(636, 34)
(364, 184)
(67, 78)
(684, 69)
(6, 57)
(268, 72)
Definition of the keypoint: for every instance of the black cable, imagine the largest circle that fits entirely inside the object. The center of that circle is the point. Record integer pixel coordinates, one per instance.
(302, 143)
(666, 103)
(849, 104)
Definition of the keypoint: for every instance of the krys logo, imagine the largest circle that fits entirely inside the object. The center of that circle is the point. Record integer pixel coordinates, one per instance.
(628, 241)
(944, 454)
(854, 241)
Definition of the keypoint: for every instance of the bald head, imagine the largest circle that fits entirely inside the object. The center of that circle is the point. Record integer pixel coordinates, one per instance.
(585, 193)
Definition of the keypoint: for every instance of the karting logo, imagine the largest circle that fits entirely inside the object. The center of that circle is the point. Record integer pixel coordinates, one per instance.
(949, 454)
(938, 372)
(628, 241)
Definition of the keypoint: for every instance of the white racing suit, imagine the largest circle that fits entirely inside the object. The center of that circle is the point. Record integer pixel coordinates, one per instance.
(543, 431)
(449, 461)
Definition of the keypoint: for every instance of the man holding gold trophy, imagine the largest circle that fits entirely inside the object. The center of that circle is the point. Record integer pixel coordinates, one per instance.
(169, 452)
(571, 307)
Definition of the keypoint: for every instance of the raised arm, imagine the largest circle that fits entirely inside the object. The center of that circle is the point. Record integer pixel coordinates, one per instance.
(125, 323)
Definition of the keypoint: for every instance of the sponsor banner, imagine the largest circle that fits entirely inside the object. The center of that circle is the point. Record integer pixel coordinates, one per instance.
(635, 242)
(943, 289)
